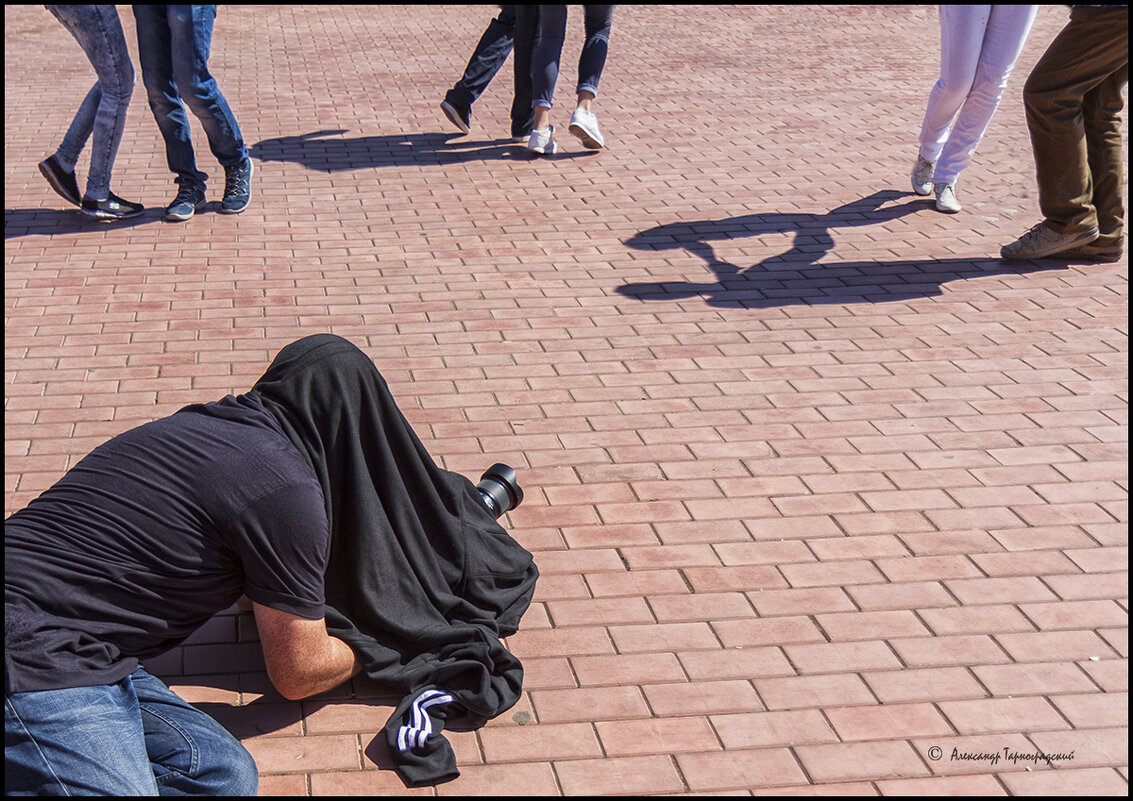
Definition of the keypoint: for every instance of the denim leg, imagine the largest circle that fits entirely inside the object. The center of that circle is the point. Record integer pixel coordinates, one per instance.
(155, 56)
(599, 20)
(98, 31)
(548, 51)
(490, 54)
(79, 741)
(190, 30)
(526, 34)
(80, 129)
(189, 752)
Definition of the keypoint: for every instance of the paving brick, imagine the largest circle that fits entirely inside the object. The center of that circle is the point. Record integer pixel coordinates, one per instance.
(890, 759)
(1008, 715)
(626, 669)
(924, 684)
(542, 742)
(702, 697)
(311, 753)
(600, 703)
(984, 785)
(811, 692)
(635, 775)
(656, 736)
(887, 721)
(1101, 781)
(516, 778)
(1033, 679)
(732, 770)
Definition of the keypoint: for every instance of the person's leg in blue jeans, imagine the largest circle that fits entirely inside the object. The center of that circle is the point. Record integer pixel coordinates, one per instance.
(490, 54)
(583, 124)
(598, 20)
(545, 73)
(524, 38)
(98, 31)
(545, 56)
(173, 45)
(155, 53)
(135, 737)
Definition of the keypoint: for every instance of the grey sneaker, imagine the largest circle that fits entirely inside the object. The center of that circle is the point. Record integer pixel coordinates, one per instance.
(922, 175)
(584, 125)
(190, 199)
(237, 188)
(946, 199)
(543, 142)
(1042, 241)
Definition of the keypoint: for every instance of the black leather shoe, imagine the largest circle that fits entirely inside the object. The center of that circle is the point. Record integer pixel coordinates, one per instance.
(460, 117)
(61, 181)
(112, 208)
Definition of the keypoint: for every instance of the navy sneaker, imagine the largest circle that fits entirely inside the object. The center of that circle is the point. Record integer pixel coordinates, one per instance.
(190, 199)
(110, 209)
(460, 117)
(61, 181)
(237, 187)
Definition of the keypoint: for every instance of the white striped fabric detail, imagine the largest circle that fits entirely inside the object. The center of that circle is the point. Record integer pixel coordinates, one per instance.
(417, 731)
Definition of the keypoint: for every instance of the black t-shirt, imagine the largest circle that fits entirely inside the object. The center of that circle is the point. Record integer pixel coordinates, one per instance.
(150, 535)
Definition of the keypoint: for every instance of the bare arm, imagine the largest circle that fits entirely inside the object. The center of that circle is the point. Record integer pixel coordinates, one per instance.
(302, 659)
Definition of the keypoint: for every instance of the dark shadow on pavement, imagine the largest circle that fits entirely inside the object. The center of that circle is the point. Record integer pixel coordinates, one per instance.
(328, 151)
(796, 277)
(50, 222)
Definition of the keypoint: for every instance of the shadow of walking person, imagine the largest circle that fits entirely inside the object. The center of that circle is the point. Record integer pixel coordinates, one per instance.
(330, 152)
(795, 277)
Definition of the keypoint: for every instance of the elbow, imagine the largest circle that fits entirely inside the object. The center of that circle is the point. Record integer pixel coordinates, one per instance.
(292, 688)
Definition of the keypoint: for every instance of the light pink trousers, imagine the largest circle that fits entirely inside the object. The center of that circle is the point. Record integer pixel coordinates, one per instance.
(979, 46)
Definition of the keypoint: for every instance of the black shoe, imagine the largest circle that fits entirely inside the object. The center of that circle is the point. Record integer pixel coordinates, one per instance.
(61, 181)
(190, 199)
(237, 188)
(112, 208)
(460, 117)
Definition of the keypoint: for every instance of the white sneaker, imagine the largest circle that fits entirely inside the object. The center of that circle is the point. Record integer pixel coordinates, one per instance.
(946, 199)
(584, 125)
(543, 142)
(922, 175)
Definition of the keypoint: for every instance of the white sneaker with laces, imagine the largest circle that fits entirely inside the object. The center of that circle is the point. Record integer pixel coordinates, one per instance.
(543, 142)
(584, 125)
(946, 199)
(922, 175)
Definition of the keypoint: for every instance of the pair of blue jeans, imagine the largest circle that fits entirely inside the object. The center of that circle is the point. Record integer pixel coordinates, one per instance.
(173, 48)
(135, 737)
(548, 51)
(98, 30)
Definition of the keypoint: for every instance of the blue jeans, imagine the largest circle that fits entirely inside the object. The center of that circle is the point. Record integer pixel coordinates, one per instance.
(549, 49)
(173, 48)
(98, 31)
(135, 737)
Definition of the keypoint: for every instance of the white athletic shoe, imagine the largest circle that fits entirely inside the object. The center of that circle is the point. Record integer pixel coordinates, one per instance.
(922, 175)
(946, 199)
(584, 125)
(543, 142)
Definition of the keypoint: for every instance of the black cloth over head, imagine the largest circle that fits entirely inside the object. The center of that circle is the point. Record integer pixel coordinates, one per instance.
(421, 580)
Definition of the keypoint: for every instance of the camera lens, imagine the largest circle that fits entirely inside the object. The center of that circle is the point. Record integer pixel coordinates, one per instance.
(499, 489)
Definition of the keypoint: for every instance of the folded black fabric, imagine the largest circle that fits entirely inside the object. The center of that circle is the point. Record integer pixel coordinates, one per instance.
(421, 580)
(413, 734)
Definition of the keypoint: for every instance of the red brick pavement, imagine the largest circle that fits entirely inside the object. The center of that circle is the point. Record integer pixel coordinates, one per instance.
(816, 484)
